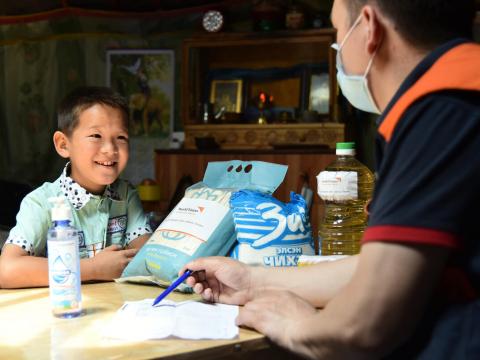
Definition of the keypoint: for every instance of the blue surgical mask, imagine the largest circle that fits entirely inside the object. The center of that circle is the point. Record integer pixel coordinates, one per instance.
(355, 87)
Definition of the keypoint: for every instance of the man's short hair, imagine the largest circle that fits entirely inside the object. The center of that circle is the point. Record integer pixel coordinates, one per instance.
(424, 23)
(85, 97)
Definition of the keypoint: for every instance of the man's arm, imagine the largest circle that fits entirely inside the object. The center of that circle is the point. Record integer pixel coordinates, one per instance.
(315, 283)
(222, 279)
(376, 311)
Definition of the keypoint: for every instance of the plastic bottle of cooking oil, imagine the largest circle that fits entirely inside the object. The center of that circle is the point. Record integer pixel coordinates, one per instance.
(345, 186)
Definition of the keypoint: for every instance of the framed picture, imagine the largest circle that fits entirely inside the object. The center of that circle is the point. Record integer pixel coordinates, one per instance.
(226, 93)
(146, 79)
(319, 98)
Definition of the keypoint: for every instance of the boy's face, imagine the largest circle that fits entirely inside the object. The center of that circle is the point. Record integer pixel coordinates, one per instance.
(97, 147)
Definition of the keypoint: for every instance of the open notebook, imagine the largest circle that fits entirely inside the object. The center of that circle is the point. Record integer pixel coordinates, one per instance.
(139, 320)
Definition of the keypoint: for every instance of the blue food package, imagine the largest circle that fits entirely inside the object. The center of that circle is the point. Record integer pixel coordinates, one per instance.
(201, 224)
(269, 232)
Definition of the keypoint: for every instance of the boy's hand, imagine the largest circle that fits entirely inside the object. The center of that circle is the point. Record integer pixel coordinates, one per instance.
(109, 263)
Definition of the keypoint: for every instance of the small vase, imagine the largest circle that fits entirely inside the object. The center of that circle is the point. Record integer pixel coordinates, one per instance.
(262, 119)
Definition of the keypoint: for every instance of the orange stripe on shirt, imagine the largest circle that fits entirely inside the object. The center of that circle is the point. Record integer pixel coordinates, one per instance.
(457, 69)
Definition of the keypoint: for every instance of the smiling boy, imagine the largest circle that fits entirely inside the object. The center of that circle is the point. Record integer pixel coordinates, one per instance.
(93, 134)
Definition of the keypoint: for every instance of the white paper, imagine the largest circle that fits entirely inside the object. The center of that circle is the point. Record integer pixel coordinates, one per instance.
(139, 320)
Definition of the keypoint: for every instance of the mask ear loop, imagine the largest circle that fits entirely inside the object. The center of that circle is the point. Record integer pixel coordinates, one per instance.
(366, 82)
(350, 31)
(337, 47)
(370, 63)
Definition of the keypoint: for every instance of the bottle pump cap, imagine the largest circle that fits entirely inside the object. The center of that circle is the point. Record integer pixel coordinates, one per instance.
(60, 209)
(345, 148)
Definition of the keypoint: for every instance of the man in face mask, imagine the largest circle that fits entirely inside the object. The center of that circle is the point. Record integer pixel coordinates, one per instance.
(413, 290)
(355, 87)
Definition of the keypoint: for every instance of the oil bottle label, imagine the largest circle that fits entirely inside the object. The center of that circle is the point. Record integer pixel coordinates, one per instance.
(338, 185)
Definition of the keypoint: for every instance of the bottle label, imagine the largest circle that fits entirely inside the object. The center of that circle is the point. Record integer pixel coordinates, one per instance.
(64, 275)
(338, 185)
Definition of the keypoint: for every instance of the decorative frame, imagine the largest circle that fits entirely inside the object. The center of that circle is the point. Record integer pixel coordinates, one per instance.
(226, 93)
(319, 93)
(146, 78)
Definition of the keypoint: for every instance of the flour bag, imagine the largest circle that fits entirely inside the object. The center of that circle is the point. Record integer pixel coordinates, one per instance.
(202, 224)
(269, 232)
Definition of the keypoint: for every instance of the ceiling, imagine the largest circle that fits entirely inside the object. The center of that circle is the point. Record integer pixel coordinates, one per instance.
(34, 7)
(28, 7)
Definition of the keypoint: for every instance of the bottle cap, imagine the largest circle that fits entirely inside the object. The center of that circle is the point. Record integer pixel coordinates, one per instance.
(345, 148)
(60, 209)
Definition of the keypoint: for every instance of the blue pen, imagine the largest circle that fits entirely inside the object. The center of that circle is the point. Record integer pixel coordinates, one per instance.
(172, 287)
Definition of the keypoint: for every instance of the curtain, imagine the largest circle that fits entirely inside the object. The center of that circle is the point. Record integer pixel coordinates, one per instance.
(44, 60)
(46, 55)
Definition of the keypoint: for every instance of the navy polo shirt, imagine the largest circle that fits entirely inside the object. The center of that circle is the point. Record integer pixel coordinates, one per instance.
(428, 188)
(428, 192)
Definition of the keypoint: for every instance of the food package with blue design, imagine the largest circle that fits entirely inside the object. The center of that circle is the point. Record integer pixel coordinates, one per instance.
(201, 224)
(269, 232)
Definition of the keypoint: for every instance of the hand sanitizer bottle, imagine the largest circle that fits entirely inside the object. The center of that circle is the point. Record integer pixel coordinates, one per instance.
(63, 262)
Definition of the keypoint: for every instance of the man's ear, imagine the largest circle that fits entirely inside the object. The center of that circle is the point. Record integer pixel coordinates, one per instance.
(375, 28)
(60, 140)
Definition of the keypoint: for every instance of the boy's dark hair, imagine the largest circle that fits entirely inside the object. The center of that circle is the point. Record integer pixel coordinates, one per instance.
(83, 98)
(424, 23)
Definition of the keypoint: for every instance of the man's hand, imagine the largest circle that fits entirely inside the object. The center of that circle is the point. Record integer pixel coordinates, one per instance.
(220, 279)
(277, 314)
(109, 263)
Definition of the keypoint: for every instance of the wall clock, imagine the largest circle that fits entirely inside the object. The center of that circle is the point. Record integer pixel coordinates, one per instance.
(212, 21)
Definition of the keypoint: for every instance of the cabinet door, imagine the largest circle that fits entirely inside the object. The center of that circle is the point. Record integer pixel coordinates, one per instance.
(295, 69)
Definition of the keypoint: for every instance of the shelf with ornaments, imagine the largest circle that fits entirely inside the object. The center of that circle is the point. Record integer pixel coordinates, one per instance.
(261, 89)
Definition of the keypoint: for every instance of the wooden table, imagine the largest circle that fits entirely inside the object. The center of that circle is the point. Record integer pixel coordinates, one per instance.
(29, 331)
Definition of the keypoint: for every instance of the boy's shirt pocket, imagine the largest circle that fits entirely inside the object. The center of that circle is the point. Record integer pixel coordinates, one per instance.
(116, 228)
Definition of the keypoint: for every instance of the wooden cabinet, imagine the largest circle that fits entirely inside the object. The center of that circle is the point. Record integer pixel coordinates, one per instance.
(171, 165)
(233, 69)
(284, 66)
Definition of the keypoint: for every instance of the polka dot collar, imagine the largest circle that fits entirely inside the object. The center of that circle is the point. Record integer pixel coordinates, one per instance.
(77, 195)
